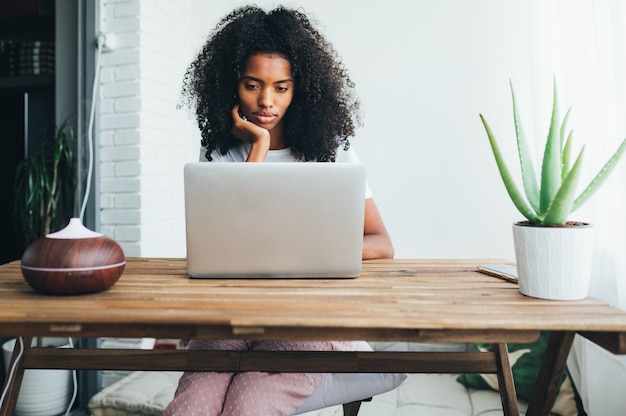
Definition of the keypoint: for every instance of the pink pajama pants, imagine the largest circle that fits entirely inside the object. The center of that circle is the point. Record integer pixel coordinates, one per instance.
(249, 393)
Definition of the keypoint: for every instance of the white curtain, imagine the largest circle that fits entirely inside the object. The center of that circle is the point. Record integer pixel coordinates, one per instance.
(582, 43)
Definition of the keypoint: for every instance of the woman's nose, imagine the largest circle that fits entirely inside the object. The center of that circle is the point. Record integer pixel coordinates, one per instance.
(265, 98)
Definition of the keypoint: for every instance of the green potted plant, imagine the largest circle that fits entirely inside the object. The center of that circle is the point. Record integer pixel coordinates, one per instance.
(45, 185)
(553, 253)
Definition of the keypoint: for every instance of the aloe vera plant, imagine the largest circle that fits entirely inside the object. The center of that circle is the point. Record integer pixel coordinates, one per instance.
(551, 198)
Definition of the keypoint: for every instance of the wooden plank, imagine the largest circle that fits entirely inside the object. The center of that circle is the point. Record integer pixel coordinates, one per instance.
(182, 331)
(552, 367)
(614, 342)
(13, 380)
(278, 361)
(508, 397)
(419, 318)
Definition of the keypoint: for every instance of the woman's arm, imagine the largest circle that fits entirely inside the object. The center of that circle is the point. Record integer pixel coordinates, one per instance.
(376, 241)
(258, 151)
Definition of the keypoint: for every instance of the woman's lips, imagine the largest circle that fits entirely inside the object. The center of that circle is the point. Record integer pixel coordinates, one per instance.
(265, 118)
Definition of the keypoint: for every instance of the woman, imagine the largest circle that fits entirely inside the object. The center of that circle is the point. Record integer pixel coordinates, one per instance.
(267, 87)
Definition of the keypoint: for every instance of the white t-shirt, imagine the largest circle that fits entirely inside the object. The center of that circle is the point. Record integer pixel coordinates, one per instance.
(240, 154)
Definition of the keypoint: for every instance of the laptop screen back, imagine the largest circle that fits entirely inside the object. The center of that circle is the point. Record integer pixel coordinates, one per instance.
(274, 219)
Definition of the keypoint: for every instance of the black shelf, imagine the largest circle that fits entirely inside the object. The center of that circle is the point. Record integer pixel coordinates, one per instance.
(26, 81)
(27, 27)
(27, 100)
(24, 16)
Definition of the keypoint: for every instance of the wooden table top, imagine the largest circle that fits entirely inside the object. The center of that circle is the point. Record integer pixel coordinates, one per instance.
(412, 300)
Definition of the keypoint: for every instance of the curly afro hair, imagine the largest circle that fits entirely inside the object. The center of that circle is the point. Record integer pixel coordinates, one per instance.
(324, 109)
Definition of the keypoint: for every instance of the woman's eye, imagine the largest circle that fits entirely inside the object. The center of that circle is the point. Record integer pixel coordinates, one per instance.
(251, 86)
(282, 89)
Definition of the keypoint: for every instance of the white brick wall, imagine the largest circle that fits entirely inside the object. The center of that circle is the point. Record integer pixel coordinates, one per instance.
(144, 140)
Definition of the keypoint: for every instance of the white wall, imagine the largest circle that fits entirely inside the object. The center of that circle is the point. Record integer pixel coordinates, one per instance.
(424, 70)
(144, 140)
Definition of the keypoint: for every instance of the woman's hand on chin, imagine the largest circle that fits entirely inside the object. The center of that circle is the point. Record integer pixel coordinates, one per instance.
(246, 131)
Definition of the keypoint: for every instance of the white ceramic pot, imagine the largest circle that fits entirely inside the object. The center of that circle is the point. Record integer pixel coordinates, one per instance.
(43, 392)
(554, 262)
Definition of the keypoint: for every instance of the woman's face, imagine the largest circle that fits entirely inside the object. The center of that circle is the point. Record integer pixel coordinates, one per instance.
(265, 90)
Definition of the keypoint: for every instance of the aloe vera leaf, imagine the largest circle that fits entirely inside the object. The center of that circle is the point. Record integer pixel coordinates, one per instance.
(595, 184)
(564, 125)
(551, 167)
(566, 156)
(561, 206)
(529, 178)
(518, 200)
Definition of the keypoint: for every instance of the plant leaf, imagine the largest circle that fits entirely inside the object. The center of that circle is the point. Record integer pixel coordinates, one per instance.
(600, 177)
(517, 198)
(561, 206)
(565, 151)
(529, 178)
(564, 124)
(45, 184)
(566, 156)
(551, 167)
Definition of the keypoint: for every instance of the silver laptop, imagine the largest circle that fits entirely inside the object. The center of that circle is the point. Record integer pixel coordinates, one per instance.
(280, 220)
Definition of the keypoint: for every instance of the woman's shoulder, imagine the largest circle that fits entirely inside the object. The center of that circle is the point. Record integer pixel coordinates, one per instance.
(237, 153)
(348, 155)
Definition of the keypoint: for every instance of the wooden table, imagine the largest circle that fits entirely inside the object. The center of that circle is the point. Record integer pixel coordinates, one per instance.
(392, 300)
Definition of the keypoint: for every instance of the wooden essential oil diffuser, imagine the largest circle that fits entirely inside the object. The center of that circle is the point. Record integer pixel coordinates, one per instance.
(74, 260)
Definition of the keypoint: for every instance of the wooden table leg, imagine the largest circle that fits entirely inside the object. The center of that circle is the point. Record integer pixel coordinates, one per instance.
(13, 382)
(550, 373)
(508, 396)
